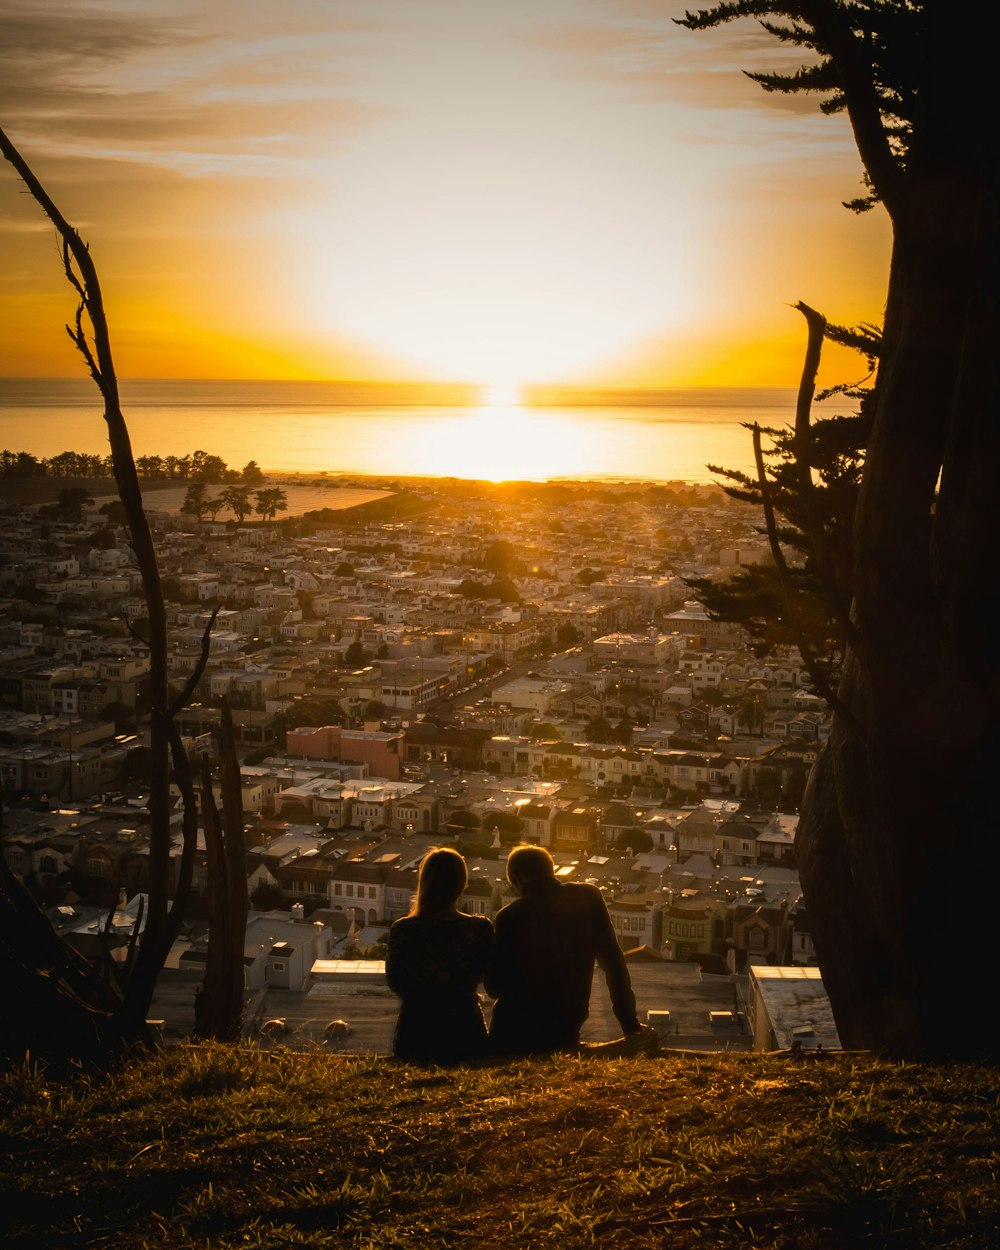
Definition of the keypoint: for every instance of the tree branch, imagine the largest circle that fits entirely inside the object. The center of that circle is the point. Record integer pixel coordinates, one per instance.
(833, 37)
(184, 778)
(100, 363)
(864, 107)
(823, 687)
(801, 444)
(197, 672)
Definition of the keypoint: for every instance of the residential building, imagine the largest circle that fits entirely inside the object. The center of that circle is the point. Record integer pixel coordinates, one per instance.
(789, 1009)
(380, 751)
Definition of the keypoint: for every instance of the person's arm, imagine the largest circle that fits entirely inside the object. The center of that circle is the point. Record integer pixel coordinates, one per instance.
(486, 940)
(497, 974)
(403, 978)
(612, 963)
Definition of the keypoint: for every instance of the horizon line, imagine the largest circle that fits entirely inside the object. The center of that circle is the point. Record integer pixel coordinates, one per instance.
(444, 393)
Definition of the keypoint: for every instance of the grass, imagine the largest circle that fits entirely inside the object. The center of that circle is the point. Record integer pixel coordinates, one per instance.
(209, 1146)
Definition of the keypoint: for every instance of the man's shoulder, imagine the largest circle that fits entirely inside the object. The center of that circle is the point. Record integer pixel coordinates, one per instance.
(512, 908)
(510, 911)
(581, 890)
(581, 900)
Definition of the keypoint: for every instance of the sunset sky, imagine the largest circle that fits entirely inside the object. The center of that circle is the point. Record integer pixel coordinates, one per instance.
(502, 193)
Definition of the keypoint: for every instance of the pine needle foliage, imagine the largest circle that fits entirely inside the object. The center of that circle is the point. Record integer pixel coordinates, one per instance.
(849, 40)
(756, 597)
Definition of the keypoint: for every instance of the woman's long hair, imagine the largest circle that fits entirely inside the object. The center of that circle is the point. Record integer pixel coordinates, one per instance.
(440, 881)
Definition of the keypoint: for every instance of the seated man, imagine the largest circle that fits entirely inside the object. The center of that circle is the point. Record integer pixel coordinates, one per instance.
(547, 941)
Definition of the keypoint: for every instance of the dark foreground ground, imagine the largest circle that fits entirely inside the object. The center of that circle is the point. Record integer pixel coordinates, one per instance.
(207, 1146)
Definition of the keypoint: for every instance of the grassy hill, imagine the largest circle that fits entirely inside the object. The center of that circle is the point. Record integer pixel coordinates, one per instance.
(222, 1147)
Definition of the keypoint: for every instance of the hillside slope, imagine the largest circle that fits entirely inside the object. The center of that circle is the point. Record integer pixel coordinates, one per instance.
(214, 1146)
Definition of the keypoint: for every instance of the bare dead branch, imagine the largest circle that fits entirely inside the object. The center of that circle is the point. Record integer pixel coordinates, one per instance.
(70, 272)
(227, 892)
(81, 273)
(189, 830)
(197, 672)
(134, 936)
(78, 337)
(232, 817)
(801, 446)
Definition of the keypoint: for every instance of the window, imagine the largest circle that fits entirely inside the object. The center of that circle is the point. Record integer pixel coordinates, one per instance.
(48, 864)
(756, 938)
(97, 866)
(278, 965)
(683, 929)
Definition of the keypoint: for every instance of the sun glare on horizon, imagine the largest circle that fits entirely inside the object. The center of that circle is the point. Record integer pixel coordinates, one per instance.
(502, 394)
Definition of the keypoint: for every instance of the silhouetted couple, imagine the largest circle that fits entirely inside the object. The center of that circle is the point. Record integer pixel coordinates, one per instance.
(538, 964)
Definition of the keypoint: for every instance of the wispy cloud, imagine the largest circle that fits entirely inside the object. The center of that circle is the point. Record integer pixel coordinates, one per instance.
(485, 187)
(641, 51)
(89, 82)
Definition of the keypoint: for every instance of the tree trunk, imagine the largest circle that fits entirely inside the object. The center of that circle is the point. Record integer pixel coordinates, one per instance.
(220, 1012)
(68, 1019)
(897, 842)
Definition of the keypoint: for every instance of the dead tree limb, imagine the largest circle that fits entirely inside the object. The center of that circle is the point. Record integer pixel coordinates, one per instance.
(185, 696)
(222, 1000)
(162, 919)
(812, 520)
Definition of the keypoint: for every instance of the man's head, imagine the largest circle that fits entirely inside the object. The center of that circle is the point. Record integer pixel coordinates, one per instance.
(527, 865)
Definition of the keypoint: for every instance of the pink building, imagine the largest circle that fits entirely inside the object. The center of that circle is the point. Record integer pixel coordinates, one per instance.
(380, 751)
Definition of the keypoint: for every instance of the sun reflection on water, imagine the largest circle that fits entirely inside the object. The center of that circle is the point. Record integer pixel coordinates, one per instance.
(504, 443)
(292, 431)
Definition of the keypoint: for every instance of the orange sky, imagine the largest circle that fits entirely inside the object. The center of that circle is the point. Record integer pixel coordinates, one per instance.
(538, 190)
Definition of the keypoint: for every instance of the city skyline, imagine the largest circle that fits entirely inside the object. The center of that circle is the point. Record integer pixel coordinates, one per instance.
(577, 192)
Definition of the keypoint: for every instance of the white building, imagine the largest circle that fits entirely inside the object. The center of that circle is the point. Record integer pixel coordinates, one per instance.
(789, 1007)
(281, 948)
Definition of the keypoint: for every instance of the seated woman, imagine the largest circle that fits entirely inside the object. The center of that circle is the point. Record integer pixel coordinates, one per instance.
(435, 959)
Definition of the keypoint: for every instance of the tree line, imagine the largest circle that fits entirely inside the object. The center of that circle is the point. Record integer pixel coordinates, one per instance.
(197, 466)
(238, 498)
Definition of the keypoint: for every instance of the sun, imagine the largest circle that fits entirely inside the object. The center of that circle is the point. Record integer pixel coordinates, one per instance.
(501, 394)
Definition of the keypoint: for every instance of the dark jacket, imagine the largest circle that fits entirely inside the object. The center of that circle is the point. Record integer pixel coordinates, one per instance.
(546, 944)
(434, 963)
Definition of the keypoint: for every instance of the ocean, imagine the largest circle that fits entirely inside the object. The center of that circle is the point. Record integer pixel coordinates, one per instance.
(336, 428)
